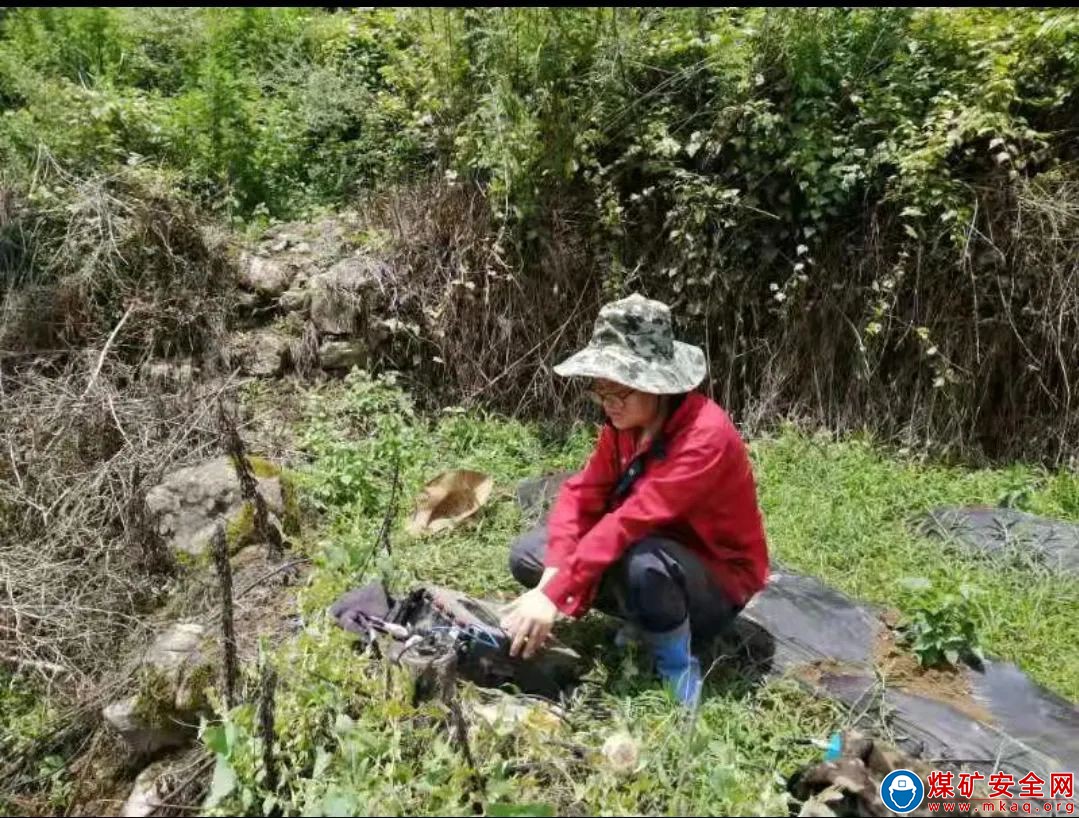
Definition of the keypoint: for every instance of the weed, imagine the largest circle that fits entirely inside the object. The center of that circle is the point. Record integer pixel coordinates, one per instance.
(841, 510)
(355, 743)
(940, 628)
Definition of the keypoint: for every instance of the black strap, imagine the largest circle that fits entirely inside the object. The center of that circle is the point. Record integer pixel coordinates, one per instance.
(634, 470)
(656, 449)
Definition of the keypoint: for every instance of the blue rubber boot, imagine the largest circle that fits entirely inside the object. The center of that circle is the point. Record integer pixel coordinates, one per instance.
(676, 664)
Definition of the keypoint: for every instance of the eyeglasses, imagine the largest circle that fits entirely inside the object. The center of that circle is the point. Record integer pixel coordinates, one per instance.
(613, 399)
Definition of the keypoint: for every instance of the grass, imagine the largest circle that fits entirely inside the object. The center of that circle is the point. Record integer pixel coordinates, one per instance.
(392, 758)
(838, 509)
(842, 511)
(22, 713)
(351, 742)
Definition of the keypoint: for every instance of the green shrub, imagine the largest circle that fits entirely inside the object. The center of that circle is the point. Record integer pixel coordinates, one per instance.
(865, 215)
(941, 629)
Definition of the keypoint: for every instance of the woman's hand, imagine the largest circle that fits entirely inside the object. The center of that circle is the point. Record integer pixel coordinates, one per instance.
(528, 620)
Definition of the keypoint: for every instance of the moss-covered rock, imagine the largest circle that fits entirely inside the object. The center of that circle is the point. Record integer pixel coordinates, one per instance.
(190, 503)
(291, 515)
(263, 468)
(170, 691)
(240, 530)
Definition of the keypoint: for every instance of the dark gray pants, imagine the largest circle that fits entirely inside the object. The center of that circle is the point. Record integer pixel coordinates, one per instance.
(655, 585)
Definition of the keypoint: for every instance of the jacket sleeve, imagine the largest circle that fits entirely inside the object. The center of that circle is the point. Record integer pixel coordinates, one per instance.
(667, 489)
(582, 500)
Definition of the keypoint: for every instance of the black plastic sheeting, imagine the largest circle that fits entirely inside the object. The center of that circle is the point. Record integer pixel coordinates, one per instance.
(1028, 727)
(798, 625)
(1000, 531)
(536, 495)
(809, 624)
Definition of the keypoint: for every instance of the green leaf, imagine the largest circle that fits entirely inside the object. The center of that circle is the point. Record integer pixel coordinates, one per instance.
(513, 810)
(223, 784)
(214, 739)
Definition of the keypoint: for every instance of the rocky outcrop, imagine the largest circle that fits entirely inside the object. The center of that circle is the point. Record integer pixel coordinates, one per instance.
(172, 677)
(316, 283)
(295, 300)
(266, 277)
(261, 353)
(190, 502)
(340, 295)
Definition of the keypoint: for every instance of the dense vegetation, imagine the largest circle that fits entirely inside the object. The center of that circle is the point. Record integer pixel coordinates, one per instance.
(868, 216)
(838, 510)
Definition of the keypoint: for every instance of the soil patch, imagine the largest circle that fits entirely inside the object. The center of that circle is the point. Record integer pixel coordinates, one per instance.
(900, 669)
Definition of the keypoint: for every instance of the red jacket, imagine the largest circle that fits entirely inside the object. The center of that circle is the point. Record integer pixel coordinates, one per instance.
(701, 493)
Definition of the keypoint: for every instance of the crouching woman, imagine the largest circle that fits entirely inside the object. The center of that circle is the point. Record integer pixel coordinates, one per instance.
(661, 528)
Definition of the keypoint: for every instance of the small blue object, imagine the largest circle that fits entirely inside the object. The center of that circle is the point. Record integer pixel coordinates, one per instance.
(835, 748)
(676, 665)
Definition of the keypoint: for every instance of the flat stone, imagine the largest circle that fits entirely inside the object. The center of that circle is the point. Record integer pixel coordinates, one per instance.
(175, 646)
(152, 786)
(143, 739)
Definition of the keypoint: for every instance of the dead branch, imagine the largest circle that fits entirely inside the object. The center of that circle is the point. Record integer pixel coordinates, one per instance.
(228, 629)
(233, 445)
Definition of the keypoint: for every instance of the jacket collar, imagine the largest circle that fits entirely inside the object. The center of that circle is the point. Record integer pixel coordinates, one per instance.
(685, 413)
(682, 417)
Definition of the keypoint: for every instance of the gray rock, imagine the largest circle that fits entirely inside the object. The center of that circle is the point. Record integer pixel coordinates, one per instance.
(125, 717)
(175, 647)
(189, 503)
(338, 295)
(338, 354)
(247, 301)
(294, 300)
(388, 331)
(261, 353)
(152, 786)
(172, 675)
(266, 277)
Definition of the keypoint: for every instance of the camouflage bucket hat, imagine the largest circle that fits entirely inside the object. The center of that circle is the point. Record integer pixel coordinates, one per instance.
(633, 344)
